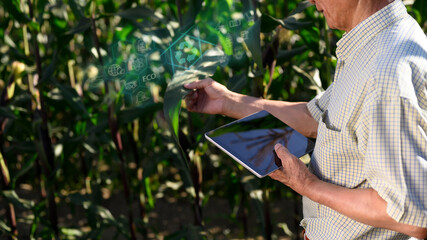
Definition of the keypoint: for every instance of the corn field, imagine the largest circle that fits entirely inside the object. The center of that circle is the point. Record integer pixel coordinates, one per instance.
(95, 140)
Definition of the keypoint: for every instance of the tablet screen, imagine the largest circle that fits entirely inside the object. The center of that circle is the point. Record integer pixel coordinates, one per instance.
(251, 140)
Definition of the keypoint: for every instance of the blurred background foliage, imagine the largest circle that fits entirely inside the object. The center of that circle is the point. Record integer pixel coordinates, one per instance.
(79, 160)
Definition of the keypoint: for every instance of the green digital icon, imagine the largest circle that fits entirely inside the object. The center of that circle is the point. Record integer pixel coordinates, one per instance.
(190, 56)
(250, 16)
(138, 64)
(185, 51)
(244, 34)
(239, 52)
(131, 85)
(223, 60)
(149, 77)
(141, 97)
(234, 23)
(115, 70)
(141, 46)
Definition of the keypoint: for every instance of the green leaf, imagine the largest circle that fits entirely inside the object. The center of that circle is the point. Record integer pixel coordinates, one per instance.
(22, 146)
(190, 232)
(128, 115)
(103, 212)
(13, 198)
(253, 188)
(24, 169)
(8, 40)
(77, 8)
(72, 232)
(301, 7)
(77, 198)
(292, 23)
(34, 26)
(269, 23)
(13, 8)
(83, 25)
(190, 15)
(147, 186)
(286, 229)
(72, 98)
(49, 70)
(174, 94)
(41, 4)
(308, 77)
(139, 12)
(175, 91)
(4, 227)
(237, 82)
(123, 33)
(311, 38)
(254, 43)
(59, 10)
(4, 169)
(286, 55)
(422, 7)
(7, 113)
(100, 211)
(60, 23)
(226, 43)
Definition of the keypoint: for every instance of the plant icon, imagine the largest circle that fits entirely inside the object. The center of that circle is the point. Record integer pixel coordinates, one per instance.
(191, 54)
(141, 46)
(141, 97)
(239, 52)
(185, 51)
(137, 63)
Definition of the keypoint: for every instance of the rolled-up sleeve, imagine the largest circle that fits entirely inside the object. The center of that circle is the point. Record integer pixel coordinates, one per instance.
(396, 157)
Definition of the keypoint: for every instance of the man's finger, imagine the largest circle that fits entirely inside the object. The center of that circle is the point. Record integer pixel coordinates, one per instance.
(192, 95)
(198, 84)
(277, 160)
(280, 149)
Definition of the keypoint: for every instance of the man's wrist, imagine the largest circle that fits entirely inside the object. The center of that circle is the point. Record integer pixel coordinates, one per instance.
(309, 186)
(228, 104)
(237, 105)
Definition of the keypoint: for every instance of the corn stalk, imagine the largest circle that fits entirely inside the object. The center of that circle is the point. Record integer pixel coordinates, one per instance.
(43, 141)
(6, 95)
(114, 129)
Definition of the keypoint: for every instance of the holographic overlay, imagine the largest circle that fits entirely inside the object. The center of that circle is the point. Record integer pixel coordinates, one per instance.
(135, 66)
(130, 66)
(187, 50)
(234, 32)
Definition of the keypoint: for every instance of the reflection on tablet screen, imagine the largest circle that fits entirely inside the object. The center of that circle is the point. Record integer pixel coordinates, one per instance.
(252, 140)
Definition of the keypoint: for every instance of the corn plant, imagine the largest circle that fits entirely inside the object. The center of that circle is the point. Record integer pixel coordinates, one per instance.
(84, 155)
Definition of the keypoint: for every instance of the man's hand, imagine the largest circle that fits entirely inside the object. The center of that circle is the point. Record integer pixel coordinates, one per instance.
(208, 96)
(293, 173)
(363, 205)
(211, 97)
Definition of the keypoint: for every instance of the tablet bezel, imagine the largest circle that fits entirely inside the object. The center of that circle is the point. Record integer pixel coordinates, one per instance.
(310, 144)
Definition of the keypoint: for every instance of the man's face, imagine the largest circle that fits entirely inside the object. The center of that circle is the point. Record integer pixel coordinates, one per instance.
(338, 13)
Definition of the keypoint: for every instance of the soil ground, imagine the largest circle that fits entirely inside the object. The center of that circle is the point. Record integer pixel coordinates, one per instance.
(170, 215)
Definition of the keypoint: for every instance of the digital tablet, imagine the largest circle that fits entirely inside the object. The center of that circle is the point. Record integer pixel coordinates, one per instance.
(250, 141)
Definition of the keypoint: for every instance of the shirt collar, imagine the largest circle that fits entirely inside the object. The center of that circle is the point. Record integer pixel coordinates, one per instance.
(368, 28)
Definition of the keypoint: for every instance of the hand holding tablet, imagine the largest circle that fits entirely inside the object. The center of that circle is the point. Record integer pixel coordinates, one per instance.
(250, 141)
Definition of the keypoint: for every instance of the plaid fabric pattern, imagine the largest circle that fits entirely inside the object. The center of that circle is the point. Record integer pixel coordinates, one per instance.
(373, 125)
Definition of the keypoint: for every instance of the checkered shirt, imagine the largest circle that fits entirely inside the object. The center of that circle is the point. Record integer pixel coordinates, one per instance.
(373, 125)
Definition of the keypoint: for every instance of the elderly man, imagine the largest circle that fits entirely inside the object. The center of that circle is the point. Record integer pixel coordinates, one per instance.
(367, 175)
